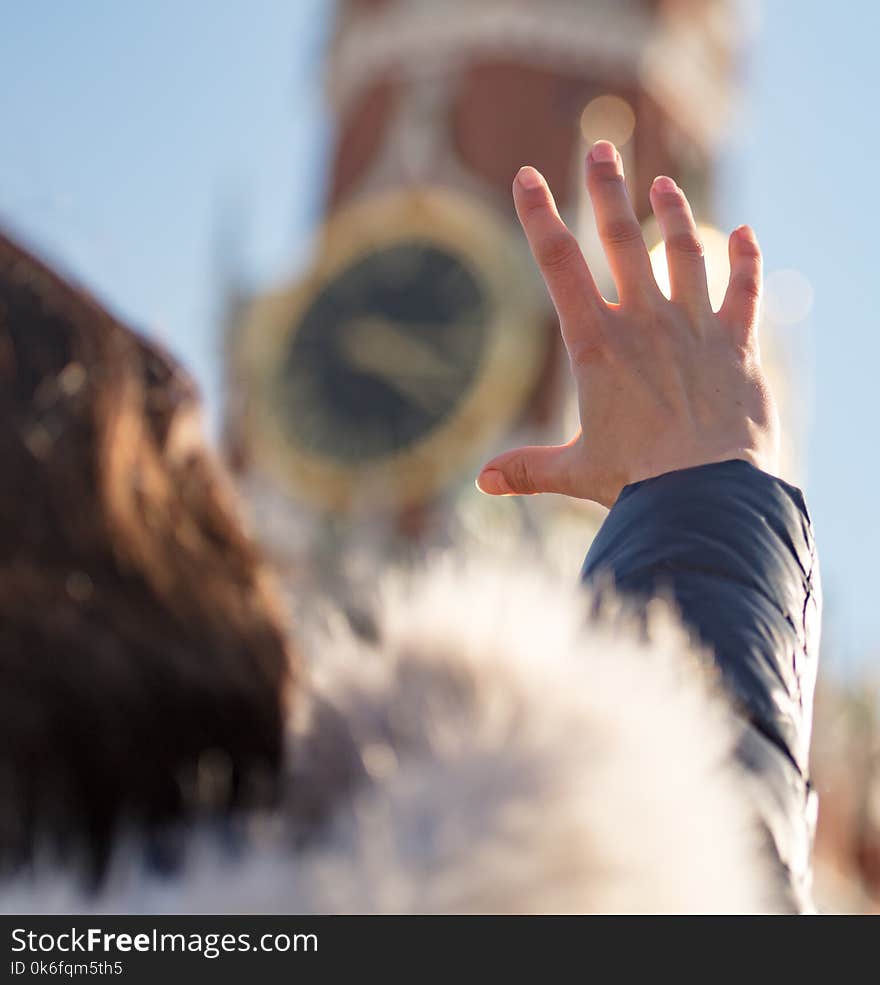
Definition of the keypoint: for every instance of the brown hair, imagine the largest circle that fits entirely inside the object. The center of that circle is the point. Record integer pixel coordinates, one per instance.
(142, 658)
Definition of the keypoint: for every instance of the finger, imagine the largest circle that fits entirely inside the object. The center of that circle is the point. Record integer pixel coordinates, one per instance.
(575, 296)
(616, 220)
(530, 470)
(739, 312)
(684, 251)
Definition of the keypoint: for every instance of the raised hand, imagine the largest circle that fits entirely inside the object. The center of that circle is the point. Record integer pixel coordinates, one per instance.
(662, 384)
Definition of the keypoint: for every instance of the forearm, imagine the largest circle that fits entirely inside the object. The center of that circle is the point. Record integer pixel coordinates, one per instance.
(734, 548)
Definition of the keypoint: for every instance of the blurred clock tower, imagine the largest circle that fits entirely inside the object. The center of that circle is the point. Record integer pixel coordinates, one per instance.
(420, 339)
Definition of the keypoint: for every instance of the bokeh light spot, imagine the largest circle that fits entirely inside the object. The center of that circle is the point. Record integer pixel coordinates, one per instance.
(788, 297)
(608, 118)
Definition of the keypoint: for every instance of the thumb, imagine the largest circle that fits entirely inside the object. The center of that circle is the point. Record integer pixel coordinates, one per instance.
(529, 470)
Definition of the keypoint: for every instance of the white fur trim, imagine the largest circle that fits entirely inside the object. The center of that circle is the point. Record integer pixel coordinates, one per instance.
(518, 758)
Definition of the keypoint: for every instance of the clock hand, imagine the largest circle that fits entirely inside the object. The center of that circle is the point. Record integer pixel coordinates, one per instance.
(380, 348)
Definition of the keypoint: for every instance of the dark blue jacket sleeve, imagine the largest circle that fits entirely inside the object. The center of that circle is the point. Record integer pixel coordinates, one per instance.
(734, 548)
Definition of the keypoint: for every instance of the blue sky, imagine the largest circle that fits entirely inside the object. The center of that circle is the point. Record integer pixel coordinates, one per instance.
(150, 149)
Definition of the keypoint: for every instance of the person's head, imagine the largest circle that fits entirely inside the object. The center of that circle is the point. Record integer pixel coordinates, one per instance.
(142, 660)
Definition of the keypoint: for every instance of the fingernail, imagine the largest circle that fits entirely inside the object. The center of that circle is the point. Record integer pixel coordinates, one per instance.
(603, 152)
(528, 177)
(493, 483)
(663, 184)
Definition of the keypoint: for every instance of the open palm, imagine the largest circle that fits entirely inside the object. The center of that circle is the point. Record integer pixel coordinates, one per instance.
(662, 384)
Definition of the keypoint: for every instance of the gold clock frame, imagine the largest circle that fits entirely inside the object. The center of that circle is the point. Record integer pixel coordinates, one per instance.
(515, 353)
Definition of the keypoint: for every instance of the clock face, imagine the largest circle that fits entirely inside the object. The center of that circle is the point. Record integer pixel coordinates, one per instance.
(385, 353)
(403, 355)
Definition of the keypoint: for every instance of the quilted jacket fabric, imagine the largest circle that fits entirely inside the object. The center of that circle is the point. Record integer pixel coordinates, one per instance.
(734, 548)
